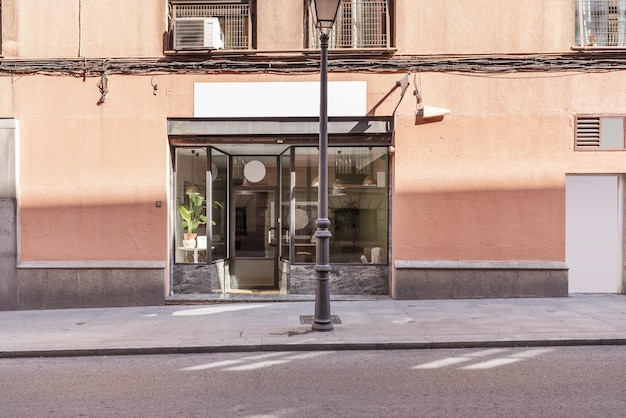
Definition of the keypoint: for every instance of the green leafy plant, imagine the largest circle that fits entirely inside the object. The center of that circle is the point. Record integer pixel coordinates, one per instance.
(192, 212)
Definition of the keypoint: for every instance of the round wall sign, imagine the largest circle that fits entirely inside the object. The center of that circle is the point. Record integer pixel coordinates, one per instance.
(302, 219)
(214, 171)
(254, 171)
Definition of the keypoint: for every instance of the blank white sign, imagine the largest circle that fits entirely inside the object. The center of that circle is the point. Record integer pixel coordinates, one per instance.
(280, 99)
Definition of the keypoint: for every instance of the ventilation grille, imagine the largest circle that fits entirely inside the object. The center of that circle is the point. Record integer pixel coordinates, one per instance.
(587, 132)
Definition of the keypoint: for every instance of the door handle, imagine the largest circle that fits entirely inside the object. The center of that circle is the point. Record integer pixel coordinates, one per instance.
(271, 237)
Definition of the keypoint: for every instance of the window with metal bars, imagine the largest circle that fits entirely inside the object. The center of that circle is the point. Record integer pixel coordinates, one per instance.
(210, 25)
(595, 132)
(359, 24)
(602, 23)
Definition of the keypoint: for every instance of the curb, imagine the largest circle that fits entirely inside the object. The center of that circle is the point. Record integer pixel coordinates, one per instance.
(97, 352)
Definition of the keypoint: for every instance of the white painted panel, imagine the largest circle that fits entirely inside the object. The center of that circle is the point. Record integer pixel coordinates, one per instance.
(593, 244)
(293, 99)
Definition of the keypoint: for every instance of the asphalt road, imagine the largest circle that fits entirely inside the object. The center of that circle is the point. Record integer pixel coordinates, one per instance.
(502, 382)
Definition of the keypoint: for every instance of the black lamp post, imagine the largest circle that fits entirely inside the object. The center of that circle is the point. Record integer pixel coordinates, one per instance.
(325, 15)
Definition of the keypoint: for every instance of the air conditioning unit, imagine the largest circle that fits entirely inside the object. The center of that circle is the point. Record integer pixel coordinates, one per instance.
(198, 33)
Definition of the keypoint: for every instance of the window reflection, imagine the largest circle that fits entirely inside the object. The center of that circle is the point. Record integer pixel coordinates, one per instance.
(219, 196)
(191, 195)
(357, 204)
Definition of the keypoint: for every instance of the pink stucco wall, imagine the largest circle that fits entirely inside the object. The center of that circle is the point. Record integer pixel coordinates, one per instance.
(83, 28)
(486, 182)
(90, 176)
(484, 26)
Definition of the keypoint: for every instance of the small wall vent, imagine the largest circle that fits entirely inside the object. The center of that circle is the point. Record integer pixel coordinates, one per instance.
(587, 132)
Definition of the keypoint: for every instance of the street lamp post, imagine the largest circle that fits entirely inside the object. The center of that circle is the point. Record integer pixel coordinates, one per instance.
(325, 15)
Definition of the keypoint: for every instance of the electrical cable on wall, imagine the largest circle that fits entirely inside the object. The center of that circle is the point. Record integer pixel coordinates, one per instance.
(102, 86)
(239, 64)
(417, 82)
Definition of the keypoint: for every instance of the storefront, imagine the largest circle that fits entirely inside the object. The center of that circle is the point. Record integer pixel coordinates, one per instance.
(258, 179)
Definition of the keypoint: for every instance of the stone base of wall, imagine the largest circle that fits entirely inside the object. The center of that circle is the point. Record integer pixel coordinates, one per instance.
(292, 279)
(201, 278)
(62, 288)
(344, 279)
(479, 279)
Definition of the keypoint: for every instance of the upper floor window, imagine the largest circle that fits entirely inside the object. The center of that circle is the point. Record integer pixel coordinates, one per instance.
(207, 25)
(602, 23)
(359, 24)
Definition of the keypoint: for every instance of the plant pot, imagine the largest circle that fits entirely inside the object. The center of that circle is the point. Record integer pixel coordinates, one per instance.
(189, 243)
(190, 236)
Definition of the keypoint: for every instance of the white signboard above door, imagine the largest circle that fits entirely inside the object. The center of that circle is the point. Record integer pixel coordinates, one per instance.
(280, 99)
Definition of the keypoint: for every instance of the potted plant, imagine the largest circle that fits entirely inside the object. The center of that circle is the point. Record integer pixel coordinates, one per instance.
(192, 216)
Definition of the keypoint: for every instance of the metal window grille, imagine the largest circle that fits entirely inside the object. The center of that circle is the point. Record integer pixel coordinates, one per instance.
(359, 24)
(234, 20)
(602, 23)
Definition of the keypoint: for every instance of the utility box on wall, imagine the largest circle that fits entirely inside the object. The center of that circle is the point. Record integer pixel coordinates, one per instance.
(198, 33)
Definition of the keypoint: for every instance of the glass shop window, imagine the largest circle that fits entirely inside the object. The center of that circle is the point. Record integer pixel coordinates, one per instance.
(357, 204)
(201, 202)
(191, 202)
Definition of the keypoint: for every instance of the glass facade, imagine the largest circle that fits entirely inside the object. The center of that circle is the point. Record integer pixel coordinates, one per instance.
(358, 203)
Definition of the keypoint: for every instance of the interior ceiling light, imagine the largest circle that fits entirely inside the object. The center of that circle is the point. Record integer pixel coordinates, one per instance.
(193, 189)
(369, 181)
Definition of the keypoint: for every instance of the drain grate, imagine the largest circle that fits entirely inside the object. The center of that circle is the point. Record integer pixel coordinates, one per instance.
(308, 319)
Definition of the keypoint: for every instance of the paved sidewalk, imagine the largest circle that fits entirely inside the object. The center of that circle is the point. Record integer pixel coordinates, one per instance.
(273, 326)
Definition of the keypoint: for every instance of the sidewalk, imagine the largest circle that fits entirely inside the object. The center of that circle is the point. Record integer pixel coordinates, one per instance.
(276, 326)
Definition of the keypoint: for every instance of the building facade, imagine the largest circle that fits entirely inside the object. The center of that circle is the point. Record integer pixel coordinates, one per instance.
(473, 151)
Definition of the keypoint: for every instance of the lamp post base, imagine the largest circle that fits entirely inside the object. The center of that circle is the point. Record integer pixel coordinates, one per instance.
(322, 320)
(322, 326)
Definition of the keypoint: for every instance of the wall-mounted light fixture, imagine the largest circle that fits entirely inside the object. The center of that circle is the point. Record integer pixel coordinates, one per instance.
(432, 112)
(193, 189)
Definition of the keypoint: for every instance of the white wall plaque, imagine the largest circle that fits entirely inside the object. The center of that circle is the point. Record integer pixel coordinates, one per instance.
(279, 99)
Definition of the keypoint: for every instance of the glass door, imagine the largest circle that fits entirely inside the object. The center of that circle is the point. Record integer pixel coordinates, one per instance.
(254, 263)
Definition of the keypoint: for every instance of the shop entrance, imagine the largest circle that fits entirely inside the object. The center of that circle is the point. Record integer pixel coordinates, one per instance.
(252, 185)
(254, 259)
(254, 216)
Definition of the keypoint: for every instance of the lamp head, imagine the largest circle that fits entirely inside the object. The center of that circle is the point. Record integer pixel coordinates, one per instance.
(325, 13)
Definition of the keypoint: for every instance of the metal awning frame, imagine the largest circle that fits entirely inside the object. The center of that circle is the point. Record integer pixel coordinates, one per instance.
(290, 130)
